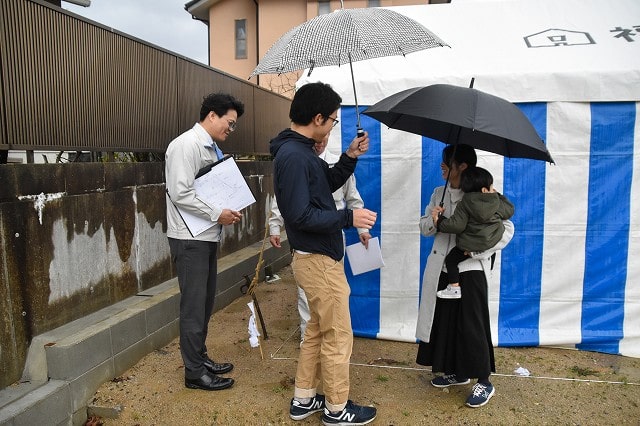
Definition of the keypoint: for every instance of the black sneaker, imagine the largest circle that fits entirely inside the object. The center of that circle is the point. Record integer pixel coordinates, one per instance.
(480, 394)
(298, 411)
(351, 414)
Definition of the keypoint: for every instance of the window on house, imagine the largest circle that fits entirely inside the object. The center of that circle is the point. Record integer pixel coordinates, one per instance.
(373, 3)
(241, 39)
(324, 7)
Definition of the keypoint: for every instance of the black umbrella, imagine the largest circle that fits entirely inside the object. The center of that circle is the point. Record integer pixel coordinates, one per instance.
(454, 114)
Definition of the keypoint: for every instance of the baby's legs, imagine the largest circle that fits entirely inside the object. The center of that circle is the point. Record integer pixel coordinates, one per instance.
(455, 256)
(453, 290)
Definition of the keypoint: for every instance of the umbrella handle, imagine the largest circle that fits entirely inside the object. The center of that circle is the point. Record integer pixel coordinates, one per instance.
(446, 184)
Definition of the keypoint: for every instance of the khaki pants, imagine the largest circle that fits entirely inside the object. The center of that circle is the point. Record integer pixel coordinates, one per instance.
(328, 339)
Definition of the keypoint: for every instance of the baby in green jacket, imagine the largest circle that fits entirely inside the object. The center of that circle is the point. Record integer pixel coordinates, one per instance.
(477, 221)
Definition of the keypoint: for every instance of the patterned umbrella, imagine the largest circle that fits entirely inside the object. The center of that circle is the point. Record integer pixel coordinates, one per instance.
(345, 36)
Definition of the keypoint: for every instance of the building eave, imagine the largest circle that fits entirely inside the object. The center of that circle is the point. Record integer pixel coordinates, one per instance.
(199, 9)
(84, 3)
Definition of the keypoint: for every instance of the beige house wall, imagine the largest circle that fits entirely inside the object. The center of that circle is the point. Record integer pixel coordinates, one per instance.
(276, 17)
(222, 17)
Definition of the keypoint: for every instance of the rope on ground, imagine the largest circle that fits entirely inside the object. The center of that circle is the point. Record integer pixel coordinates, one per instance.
(428, 370)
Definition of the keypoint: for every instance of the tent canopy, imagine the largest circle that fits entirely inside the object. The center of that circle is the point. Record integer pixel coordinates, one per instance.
(521, 50)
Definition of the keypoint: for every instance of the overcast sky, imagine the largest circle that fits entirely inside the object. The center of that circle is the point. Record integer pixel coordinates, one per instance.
(162, 22)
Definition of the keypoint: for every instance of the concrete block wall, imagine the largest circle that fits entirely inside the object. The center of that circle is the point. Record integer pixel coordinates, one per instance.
(69, 363)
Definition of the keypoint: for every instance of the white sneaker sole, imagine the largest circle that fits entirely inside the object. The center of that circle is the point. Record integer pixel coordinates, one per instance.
(325, 423)
(448, 296)
(305, 415)
(451, 384)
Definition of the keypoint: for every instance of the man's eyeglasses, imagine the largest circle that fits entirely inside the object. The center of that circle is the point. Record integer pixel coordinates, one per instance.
(232, 125)
(335, 122)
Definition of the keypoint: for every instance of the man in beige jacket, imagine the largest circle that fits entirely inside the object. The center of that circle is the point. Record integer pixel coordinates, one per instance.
(195, 257)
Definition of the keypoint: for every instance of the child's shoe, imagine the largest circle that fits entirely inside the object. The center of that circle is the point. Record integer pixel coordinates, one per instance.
(451, 292)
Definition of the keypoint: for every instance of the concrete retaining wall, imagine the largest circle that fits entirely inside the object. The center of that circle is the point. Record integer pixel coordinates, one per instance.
(79, 237)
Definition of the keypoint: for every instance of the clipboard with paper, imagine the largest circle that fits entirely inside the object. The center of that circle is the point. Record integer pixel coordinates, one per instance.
(220, 185)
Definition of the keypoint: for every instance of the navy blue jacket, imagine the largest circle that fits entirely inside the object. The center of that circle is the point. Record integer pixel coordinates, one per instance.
(303, 185)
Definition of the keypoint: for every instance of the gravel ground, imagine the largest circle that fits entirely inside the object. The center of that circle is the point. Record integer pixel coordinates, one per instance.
(566, 387)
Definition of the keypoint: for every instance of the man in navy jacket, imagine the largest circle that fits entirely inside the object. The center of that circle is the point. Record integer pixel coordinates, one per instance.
(303, 186)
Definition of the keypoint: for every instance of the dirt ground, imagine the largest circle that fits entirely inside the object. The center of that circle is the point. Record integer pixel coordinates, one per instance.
(566, 387)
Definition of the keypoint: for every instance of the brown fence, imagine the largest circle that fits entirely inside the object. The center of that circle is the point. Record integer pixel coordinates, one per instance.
(69, 84)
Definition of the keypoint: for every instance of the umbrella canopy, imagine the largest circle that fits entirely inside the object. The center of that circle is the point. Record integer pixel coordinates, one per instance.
(345, 36)
(454, 114)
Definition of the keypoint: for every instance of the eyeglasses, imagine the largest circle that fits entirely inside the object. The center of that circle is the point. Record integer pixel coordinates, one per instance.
(232, 124)
(335, 122)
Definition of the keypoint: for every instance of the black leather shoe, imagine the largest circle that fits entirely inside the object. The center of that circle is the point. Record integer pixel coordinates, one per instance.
(215, 368)
(209, 382)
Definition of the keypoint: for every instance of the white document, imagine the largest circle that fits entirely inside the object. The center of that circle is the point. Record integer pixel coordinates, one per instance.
(254, 334)
(222, 187)
(196, 224)
(364, 260)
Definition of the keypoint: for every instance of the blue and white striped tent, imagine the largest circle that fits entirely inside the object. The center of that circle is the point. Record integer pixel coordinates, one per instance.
(571, 275)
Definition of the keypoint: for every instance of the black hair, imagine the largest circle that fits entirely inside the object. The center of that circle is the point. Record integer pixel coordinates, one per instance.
(220, 103)
(313, 99)
(459, 153)
(473, 179)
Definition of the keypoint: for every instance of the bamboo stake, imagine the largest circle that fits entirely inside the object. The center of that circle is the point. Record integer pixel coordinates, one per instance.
(252, 287)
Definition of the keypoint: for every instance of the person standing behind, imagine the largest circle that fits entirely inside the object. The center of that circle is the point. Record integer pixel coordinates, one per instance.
(345, 197)
(303, 185)
(196, 257)
(477, 222)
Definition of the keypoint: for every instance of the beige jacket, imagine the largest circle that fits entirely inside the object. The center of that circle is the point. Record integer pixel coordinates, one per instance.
(185, 155)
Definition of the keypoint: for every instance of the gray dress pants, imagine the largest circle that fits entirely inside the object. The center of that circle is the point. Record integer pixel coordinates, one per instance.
(197, 266)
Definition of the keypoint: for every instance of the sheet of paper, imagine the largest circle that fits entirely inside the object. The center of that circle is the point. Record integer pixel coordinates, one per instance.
(365, 259)
(196, 224)
(223, 187)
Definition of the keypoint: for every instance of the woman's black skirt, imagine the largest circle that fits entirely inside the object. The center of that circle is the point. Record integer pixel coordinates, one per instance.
(460, 340)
